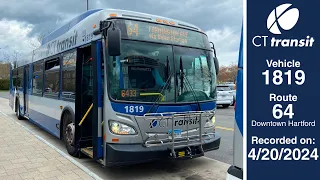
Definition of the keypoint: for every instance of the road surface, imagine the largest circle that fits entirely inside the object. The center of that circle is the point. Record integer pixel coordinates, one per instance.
(224, 126)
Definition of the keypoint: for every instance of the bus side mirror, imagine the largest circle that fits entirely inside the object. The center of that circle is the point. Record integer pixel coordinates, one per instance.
(212, 47)
(216, 62)
(114, 41)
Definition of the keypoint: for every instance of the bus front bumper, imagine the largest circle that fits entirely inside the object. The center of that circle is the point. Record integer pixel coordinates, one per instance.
(126, 154)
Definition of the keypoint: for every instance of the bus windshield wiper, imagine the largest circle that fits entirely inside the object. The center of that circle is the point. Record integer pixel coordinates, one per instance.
(188, 84)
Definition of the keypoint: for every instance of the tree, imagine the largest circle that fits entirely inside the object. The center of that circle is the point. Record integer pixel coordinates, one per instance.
(37, 43)
(228, 73)
(11, 58)
(6, 57)
(15, 56)
(39, 37)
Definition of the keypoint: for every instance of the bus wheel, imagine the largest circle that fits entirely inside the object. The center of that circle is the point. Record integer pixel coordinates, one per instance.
(69, 135)
(18, 114)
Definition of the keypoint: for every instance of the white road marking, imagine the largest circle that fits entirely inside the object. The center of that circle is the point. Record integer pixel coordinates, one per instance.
(224, 128)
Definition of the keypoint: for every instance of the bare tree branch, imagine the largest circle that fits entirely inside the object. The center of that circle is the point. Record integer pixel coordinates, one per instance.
(37, 43)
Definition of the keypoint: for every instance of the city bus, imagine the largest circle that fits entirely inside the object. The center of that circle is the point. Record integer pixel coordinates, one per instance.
(122, 87)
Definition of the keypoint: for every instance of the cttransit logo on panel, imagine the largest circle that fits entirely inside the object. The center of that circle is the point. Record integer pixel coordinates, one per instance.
(281, 19)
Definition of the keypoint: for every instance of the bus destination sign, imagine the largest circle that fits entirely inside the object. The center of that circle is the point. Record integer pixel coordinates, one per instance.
(163, 34)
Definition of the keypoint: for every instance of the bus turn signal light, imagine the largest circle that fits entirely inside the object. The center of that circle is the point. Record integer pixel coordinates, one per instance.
(115, 139)
(113, 15)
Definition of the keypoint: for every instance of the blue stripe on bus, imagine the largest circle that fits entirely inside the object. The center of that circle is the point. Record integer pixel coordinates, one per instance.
(141, 109)
(239, 101)
(240, 61)
(99, 94)
(239, 96)
(100, 147)
(47, 123)
(99, 73)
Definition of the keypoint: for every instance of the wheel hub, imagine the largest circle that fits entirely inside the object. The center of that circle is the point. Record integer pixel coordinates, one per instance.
(70, 129)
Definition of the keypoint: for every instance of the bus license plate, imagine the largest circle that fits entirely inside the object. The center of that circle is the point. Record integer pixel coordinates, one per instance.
(176, 133)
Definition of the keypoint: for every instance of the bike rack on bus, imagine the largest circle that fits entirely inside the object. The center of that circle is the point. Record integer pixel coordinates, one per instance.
(185, 140)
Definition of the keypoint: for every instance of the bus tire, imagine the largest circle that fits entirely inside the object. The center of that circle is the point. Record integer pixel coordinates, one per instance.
(18, 113)
(69, 134)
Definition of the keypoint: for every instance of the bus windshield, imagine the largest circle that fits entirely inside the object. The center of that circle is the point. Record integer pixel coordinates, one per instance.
(152, 60)
(146, 72)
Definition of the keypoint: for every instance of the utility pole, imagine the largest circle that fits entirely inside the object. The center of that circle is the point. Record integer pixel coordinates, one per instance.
(87, 5)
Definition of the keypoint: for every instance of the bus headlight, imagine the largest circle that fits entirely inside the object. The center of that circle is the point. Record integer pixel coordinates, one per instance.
(210, 123)
(121, 129)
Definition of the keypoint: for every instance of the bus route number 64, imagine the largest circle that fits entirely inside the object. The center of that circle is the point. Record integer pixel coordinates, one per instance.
(133, 109)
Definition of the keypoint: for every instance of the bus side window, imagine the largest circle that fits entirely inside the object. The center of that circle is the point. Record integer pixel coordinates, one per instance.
(52, 76)
(20, 79)
(37, 78)
(69, 76)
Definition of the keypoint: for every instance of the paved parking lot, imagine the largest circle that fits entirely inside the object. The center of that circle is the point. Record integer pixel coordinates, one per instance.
(4, 94)
(195, 169)
(224, 126)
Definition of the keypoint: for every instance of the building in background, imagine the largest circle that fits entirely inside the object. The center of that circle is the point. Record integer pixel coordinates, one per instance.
(4, 70)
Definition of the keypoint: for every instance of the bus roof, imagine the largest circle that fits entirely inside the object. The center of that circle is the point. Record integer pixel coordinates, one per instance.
(78, 31)
(120, 13)
(63, 29)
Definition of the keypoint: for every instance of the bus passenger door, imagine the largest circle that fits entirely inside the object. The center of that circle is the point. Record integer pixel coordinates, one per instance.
(83, 100)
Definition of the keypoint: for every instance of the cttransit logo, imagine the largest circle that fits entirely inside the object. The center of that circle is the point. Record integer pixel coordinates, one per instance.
(283, 18)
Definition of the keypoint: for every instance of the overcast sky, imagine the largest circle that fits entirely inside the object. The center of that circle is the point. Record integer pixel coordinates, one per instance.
(21, 21)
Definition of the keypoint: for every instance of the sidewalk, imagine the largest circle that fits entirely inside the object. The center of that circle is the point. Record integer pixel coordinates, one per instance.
(24, 156)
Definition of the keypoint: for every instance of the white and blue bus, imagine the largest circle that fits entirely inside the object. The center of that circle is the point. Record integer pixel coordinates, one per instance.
(122, 87)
